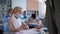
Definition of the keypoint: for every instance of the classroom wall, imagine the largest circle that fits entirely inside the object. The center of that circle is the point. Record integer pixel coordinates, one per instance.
(25, 5)
(32, 5)
(20, 3)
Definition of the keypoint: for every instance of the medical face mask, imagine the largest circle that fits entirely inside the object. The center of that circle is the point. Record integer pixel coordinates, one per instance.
(20, 16)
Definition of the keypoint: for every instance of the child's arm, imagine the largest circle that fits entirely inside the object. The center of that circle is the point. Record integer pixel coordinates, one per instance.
(40, 25)
(25, 26)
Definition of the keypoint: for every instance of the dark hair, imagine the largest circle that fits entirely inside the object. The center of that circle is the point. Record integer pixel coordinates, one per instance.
(10, 10)
(33, 16)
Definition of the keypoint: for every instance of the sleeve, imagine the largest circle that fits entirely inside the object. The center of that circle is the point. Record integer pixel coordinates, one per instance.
(39, 22)
(28, 18)
(4, 18)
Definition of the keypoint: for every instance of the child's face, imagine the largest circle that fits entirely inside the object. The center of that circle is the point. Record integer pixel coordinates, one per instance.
(32, 18)
(10, 12)
(18, 11)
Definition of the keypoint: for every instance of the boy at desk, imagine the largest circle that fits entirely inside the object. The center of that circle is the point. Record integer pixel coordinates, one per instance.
(32, 22)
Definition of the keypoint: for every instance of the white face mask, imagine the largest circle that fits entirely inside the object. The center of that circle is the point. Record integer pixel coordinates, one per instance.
(20, 16)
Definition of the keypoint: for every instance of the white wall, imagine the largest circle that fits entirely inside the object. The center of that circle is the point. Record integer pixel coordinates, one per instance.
(42, 8)
(20, 3)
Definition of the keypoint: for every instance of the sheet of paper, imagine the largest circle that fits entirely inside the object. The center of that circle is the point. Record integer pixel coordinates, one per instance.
(30, 31)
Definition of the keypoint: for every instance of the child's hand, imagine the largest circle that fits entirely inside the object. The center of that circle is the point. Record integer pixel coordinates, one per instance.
(38, 27)
(25, 26)
(21, 28)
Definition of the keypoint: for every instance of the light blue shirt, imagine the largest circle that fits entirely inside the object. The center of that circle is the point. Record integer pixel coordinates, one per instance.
(5, 20)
